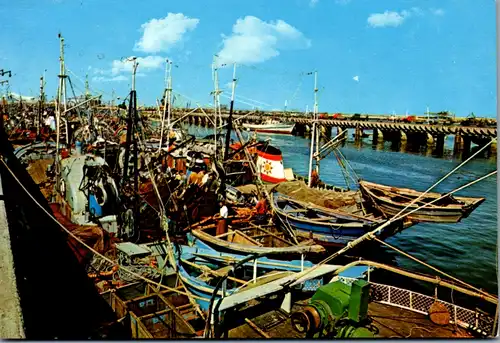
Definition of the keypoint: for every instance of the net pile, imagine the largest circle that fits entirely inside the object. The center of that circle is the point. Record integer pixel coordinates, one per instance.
(326, 198)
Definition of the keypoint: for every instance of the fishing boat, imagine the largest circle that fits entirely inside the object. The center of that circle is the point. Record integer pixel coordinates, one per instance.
(200, 268)
(350, 306)
(271, 126)
(391, 201)
(248, 238)
(324, 225)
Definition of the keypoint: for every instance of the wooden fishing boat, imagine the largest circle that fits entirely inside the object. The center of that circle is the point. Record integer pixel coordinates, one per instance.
(199, 270)
(391, 200)
(245, 237)
(329, 226)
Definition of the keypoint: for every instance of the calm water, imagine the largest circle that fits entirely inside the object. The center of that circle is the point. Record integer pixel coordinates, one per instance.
(467, 250)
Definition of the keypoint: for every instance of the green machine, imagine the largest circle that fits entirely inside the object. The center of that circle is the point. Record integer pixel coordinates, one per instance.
(336, 310)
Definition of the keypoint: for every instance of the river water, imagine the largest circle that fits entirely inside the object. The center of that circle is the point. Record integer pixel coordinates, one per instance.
(466, 250)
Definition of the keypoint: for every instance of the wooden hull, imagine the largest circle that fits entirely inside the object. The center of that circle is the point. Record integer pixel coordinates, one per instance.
(385, 199)
(238, 248)
(204, 291)
(333, 229)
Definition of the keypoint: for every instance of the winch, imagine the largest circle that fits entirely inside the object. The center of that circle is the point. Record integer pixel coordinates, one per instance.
(336, 310)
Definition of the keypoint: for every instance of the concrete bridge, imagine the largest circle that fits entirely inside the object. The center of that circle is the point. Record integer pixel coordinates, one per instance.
(381, 128)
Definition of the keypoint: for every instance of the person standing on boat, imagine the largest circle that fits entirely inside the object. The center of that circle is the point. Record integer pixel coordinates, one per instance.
(222, 224)
(314, 178)
(261, 209)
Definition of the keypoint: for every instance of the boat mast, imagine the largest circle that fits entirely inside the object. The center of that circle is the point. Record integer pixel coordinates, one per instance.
(40, 107)
(313, 136)
(132, 127)
(87, 92)
(169, 100)
(61, 101)
(230, 119)
(130, 124)
(216, 92)
(166, 102)
(316, 115)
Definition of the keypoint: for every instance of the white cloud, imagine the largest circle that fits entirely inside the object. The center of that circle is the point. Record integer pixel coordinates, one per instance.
(161, 34)
(313, 3)
(147, 63)
(121, 69)
(388, 18)
(394, 19)
(255, 41)
(356, 78)
(437, 11)
(117, 78)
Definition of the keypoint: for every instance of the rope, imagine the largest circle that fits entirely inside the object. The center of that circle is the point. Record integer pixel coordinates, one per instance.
(371, 234)
(348, 164)
(447, 194)
(429, 266)
(89, 247)
(446, 176)
(343, 169)
(260, 184)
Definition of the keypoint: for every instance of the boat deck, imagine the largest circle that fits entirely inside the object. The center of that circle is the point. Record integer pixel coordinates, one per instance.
(391, 322)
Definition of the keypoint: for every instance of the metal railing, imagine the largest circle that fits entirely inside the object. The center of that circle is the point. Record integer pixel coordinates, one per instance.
(421, 303)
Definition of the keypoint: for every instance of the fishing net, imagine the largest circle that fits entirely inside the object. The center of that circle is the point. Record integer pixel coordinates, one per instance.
(326, 198)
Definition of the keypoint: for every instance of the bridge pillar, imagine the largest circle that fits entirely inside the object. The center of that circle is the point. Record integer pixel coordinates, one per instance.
(342, 133)
(300, 129)
(458, 145)
(467, 145)
(430, 140)
(403, 140)
(327, 131)
(378, 136)
(440, 138)
(358, 133)
(402, 136)
(493, 149)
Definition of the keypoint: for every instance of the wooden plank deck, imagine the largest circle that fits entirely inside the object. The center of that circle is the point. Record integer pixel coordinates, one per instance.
(391, 322)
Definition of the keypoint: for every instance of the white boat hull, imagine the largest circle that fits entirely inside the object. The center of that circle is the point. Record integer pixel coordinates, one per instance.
(271, 128)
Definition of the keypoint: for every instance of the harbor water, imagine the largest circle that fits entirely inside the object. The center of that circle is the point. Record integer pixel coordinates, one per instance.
(466, 250)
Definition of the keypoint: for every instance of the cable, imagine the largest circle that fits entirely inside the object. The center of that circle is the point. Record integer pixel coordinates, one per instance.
(86, 245)
(429, 266)
(371, 234)
(446, 176)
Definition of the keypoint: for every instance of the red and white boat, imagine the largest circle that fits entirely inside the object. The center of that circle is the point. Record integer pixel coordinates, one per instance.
(270, 164)
(271, 126)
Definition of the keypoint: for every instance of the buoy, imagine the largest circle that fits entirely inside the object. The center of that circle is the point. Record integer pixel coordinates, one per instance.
(439, 314)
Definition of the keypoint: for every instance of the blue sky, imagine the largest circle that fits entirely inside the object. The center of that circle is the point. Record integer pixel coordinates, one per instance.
(372, 56)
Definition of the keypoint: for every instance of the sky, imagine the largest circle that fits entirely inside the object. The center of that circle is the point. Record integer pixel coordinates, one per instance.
(371, 56)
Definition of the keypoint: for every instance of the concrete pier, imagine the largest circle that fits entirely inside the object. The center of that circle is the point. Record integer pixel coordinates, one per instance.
(11, 320)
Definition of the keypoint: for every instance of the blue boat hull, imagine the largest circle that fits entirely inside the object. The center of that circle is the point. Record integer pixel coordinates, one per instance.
(324, 226)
